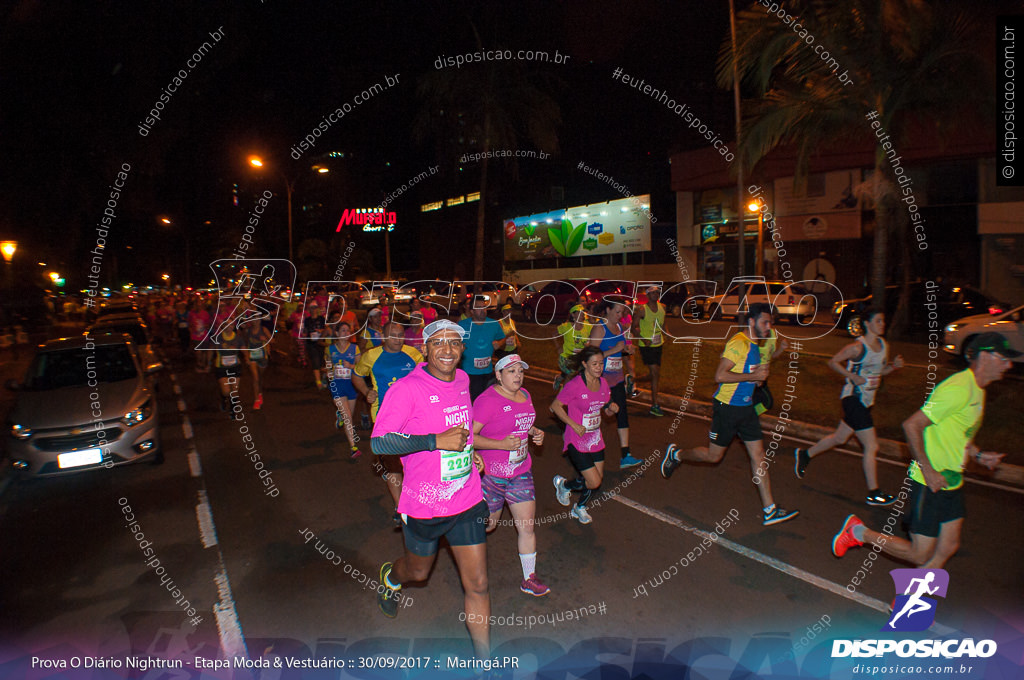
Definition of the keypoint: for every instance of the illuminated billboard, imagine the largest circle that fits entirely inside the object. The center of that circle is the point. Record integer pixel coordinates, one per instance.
(619, 226)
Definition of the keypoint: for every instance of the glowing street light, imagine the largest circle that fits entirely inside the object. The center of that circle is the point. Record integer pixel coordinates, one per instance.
(8, 248)
(289, 185)
(755, 207)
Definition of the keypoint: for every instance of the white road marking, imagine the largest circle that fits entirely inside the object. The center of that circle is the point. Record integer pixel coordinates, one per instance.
(855, 454)
(779, 565)
(194, 466)
(207, 532)
(232, 642)
(229, 628)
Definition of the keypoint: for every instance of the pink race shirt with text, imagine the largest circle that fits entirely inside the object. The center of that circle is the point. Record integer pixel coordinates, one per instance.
(501, 417)
(437, 483)
(584, 407)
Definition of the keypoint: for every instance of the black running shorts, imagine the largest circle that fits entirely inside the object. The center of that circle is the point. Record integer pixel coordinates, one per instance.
(727, 421)
(466, 528)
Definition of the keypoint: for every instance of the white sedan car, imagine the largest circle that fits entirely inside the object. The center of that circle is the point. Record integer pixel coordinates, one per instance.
(1009, 324)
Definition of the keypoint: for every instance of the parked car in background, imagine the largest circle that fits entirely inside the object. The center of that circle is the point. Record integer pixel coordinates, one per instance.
(686, 298)
(951, 303)
(1010, 324)
(789, 299)
(551, 303)
(134, 327)
(75, 390)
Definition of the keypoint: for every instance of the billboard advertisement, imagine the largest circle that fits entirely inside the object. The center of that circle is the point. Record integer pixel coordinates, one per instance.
(619, 226)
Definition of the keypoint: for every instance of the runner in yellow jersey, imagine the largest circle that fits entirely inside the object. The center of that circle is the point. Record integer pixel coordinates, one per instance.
(649, 322)
(573, 336)
(941, 439)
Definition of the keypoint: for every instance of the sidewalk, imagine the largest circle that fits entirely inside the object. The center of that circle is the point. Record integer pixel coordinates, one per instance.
(1011, 475)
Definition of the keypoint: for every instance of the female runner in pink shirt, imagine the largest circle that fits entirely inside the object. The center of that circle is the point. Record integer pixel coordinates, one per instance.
(503, 428)
(579, 406)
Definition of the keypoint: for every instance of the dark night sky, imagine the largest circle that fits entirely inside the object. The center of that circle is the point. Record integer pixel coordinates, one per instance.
(77, 78)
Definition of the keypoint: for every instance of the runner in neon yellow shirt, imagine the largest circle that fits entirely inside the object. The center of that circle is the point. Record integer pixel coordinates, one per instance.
(649, 322)
(941, 439)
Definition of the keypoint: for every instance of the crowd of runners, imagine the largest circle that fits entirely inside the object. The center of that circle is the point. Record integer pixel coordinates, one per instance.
(452, 424)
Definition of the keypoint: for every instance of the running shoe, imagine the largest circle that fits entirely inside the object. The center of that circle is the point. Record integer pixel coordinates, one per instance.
(355, 451)
(844, 540)
(580, 513)
(778, 515)
(880, 499)
(629, 461)
(800, 462)
(631, 390)
(258, 404)
(656, 411)
(387, 601)
(339, 421)
(561, 493)
(669, 463)
(532, 586)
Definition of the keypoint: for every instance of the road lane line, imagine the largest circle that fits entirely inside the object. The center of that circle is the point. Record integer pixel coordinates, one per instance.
(228, 626)
(207, 532)
(839, 449)
(784, 567)
(194, 466)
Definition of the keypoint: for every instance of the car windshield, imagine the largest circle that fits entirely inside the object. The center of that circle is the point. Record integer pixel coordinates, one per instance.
(77, 367)
(134, 330)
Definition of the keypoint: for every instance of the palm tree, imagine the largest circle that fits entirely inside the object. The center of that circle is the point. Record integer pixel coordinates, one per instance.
(488, 106)
(903, 57)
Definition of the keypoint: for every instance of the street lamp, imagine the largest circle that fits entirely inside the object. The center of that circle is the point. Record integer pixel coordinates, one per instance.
(755, 206)
(166, 220)
(8, 248)
(289, 185)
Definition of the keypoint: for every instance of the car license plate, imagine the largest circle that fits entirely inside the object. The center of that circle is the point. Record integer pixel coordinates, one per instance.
(80, 458)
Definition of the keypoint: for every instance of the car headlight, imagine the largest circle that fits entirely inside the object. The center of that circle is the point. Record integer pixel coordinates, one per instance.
(953, 326)
(20, 431)
(138, 415)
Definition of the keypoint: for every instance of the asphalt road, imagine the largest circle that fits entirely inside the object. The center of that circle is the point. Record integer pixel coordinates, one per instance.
(75, 578)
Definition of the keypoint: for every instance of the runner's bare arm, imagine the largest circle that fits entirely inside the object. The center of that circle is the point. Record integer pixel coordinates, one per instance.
(913, 428)
(836, 363)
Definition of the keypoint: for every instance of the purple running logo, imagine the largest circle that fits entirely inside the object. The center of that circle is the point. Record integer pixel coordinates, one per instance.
(914, 609)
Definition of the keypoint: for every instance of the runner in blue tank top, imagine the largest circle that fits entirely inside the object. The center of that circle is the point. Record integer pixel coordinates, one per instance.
(609, 337)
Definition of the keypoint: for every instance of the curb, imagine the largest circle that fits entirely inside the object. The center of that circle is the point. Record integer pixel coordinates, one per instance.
(890, 449)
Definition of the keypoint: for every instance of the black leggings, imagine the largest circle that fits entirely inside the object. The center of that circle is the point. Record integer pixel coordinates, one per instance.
(619, 397)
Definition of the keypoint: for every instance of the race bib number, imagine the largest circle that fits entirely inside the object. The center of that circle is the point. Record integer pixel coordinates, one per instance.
(872, 383)
(592, 421)
(456, 464)
(482, 362)
(342, 372)
(656, 340)
(228, 360)
(613, 364)
(256, 353)
(517, 456)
